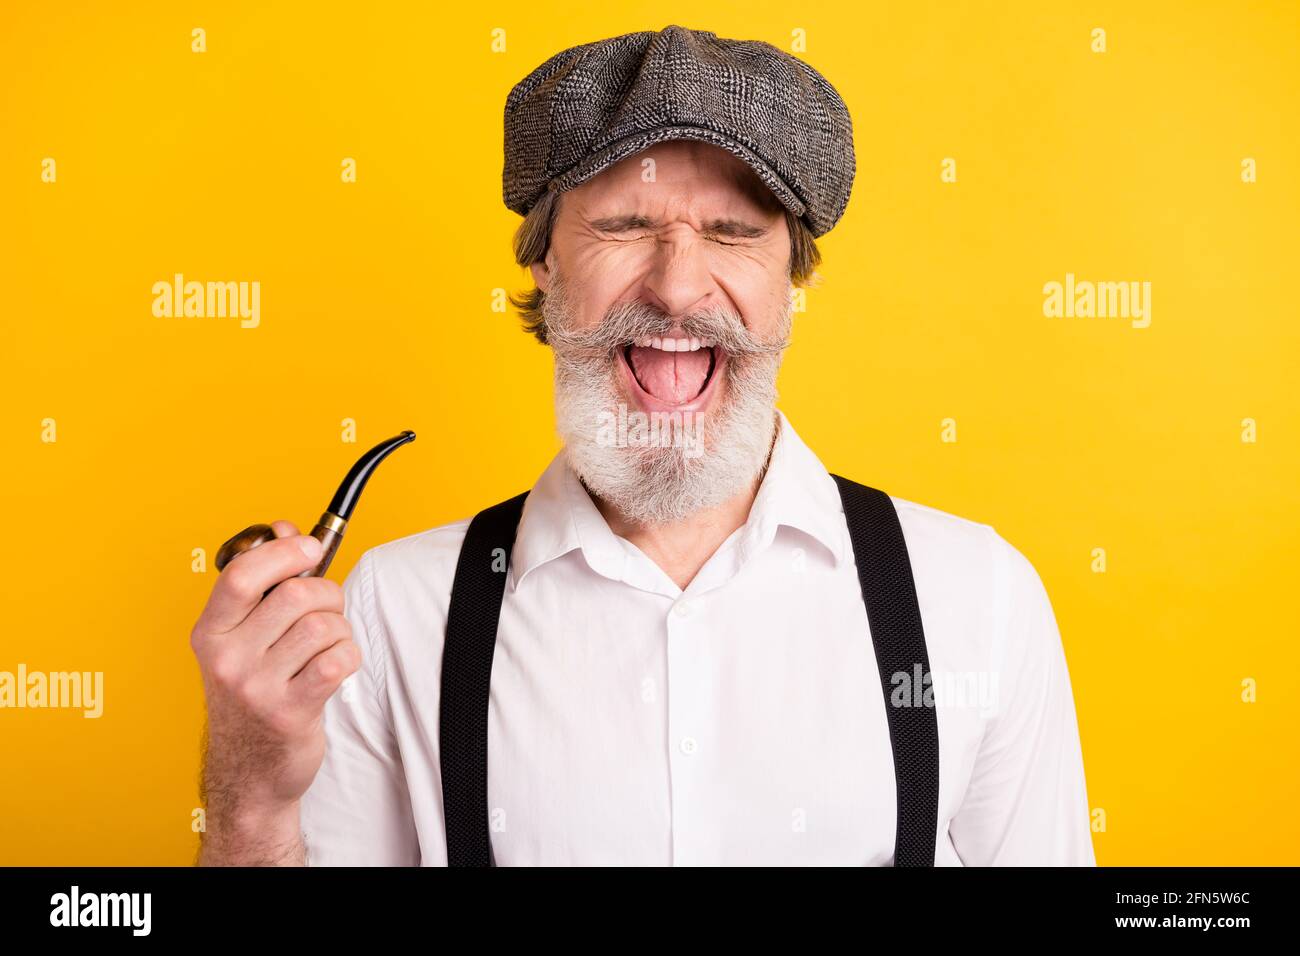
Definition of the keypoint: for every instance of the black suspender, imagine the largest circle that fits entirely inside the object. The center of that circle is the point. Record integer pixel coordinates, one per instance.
(884, 572)
(476, 594)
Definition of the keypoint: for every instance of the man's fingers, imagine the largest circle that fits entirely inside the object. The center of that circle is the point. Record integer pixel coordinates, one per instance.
(284, 529)
(240, 586)
(290, 601)
(309, 635)
(324, 673)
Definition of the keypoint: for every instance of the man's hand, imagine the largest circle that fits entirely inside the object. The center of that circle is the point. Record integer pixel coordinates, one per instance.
(269, 665)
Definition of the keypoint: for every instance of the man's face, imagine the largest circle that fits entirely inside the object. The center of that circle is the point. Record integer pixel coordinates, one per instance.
(668, 298)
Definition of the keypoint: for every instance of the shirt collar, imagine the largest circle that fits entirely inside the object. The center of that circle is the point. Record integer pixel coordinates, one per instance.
(796, 491)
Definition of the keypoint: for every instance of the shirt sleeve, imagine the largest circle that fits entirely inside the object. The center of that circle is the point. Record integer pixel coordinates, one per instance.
(1027, 803)
(357, 811)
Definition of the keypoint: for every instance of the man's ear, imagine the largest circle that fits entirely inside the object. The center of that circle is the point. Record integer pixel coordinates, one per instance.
(541, 274)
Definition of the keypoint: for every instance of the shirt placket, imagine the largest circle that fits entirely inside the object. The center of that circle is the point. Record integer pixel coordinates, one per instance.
(690, 739)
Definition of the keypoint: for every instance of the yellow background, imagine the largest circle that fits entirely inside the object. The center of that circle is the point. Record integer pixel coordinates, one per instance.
(1073, 434)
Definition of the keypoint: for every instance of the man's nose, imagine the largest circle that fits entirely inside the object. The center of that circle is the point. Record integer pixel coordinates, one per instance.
(679, 279)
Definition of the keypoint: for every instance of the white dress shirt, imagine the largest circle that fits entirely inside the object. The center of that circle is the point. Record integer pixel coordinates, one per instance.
(738, 721)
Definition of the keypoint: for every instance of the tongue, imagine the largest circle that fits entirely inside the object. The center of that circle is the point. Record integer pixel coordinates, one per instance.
(672, 377)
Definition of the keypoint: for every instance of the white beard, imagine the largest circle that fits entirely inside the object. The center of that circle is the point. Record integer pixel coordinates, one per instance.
(667, 480)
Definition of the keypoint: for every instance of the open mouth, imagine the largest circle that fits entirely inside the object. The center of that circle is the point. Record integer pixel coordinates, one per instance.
(672, 372)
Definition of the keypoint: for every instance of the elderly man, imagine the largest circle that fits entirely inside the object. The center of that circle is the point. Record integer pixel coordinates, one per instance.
(688, 643)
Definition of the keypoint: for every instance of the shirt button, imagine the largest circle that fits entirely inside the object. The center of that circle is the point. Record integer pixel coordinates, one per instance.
(689, 745)
(683, 609)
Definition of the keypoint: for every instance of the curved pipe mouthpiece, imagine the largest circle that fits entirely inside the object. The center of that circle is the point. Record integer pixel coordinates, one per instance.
(329, 529)
(345, 499)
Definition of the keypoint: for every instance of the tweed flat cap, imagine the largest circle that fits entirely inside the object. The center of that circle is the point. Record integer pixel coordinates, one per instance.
(588, 107)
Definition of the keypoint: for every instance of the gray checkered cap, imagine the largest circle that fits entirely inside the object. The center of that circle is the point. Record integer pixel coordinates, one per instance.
(590, 106)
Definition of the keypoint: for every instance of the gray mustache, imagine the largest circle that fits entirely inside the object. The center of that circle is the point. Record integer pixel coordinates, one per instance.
(628, 321)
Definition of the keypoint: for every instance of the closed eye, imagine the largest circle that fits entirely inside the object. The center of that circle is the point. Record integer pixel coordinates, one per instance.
(633, 228)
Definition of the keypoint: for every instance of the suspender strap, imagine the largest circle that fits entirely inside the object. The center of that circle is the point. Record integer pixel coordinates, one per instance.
(885, 573)
(476, 594)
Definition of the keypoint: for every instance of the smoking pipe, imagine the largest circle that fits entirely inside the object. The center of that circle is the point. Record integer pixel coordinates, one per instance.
(329, 529)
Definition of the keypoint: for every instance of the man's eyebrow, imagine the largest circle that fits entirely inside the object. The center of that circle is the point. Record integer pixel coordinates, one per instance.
(623, 223)
(734, 228)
